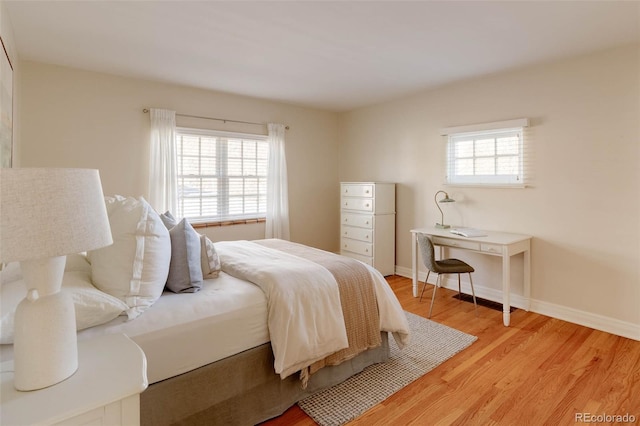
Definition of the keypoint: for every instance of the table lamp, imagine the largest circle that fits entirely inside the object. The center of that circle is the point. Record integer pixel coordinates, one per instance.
(446, 199)
(46, 214)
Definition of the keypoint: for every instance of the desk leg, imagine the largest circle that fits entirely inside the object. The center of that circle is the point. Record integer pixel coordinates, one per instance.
(414, 263)
(506, 288)
(527, 277)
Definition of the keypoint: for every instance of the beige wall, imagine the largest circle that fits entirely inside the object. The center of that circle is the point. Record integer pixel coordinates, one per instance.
(6, 31)
(74, 118)
(583, 206)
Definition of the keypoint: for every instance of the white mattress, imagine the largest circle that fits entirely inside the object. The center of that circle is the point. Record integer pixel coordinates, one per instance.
(181, 332)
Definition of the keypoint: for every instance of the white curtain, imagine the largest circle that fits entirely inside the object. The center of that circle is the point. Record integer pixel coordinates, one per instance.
(277, 190)
(163, 174)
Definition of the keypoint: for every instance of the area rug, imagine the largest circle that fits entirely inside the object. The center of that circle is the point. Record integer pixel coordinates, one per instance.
(431, 344)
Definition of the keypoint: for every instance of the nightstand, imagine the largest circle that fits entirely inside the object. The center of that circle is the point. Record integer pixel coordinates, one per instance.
(105, 390)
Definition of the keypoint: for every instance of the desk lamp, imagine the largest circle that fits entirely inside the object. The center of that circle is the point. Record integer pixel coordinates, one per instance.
(446, 199)
(46, 214)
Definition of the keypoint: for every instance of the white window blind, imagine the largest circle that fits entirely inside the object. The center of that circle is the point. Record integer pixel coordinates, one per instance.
(487, 154)
(221, 176)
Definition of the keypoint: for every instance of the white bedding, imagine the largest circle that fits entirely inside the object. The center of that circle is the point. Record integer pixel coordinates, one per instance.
(305, 315)
(305, 326)
(181, 332)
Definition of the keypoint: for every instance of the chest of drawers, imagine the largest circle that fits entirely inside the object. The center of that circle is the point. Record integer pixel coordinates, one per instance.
(367, 223)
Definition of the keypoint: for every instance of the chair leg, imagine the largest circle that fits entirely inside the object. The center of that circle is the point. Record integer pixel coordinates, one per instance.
(473, 293)
(459, 291)
(425, 285)
(433, 297)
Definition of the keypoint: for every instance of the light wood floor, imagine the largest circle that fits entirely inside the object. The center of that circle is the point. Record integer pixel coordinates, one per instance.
(538, 371)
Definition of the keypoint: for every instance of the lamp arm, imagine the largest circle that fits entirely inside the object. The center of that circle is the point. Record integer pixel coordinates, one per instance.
(435, 199)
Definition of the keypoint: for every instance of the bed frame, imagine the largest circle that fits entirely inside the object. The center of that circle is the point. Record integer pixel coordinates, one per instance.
(241, 390)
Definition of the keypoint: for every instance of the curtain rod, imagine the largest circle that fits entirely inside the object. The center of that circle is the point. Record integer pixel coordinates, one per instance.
(224, 120)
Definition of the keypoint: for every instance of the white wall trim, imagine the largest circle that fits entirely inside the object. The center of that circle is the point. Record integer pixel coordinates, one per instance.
(587, 319)
(508, 124)
(564, 313)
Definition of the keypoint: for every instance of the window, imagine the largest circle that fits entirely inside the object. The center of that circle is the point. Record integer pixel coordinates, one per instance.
(221, 176)
(481, 155)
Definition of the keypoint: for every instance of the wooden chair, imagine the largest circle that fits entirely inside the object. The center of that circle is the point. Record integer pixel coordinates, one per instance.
(444, 266)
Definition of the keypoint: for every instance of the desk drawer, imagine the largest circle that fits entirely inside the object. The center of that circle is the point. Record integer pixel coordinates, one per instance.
(491, 248)
(359, 220)
(361, 234)
(452, 242)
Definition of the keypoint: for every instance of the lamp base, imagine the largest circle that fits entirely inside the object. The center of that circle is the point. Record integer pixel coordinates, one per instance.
(45, 346)
(442, 226)
(45, 342)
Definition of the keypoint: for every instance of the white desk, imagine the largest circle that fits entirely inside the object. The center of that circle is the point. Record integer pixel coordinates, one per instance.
(501, 244)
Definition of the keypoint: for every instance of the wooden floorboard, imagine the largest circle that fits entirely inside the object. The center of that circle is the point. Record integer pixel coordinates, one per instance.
(538, 371)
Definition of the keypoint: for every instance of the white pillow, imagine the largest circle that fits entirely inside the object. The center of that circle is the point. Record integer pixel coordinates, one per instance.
(10, 272)
(135, 267)
(210, 262)
(77, 262)
(93, 307)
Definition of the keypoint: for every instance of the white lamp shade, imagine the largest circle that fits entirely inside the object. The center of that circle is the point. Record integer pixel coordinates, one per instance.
(51, 212)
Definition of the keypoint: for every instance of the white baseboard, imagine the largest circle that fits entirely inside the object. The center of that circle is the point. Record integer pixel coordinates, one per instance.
(587, 319)
(598, 322)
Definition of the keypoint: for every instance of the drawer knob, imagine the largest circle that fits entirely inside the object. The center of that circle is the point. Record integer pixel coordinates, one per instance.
(366, 250)
(366, 192)
(366, 205)
(367, 222)
(367, 237)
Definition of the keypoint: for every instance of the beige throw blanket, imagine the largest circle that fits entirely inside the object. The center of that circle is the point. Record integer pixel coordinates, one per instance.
(357, 298)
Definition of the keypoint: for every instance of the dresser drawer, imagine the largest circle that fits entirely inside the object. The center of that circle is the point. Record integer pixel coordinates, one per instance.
(359, 247)
(355, 190)
(361, 234)
(365, 259)
(359, 220)
(452, 242)
(359, 204)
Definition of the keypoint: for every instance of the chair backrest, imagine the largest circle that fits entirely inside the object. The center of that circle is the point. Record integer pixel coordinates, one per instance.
(428, 253)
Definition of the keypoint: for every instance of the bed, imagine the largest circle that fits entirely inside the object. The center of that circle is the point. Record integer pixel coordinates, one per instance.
(248, 344)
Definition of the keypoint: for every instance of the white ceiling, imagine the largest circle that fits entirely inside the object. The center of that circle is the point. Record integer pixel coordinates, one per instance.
(335, 55)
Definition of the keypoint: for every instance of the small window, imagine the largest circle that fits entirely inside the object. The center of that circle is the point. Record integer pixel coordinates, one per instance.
(486, 157)
(221, 176)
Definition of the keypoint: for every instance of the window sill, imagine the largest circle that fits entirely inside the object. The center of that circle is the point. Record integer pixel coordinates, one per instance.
(227, 222)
